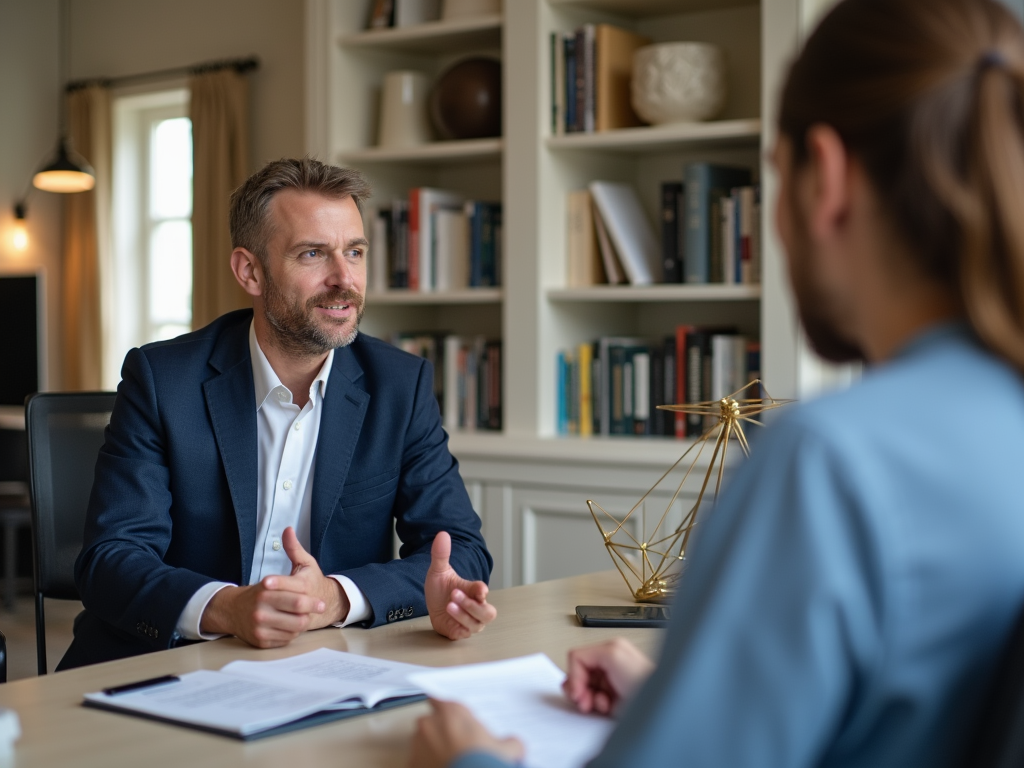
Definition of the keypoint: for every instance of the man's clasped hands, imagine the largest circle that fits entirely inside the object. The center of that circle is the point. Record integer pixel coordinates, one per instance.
(277, 609)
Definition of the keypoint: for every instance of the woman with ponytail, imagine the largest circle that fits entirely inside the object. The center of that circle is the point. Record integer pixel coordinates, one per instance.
(847, 601)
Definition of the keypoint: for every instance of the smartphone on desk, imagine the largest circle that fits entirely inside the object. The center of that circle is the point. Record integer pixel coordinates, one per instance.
(622, 615)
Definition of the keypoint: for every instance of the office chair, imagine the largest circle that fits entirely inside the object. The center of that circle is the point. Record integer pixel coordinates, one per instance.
(998, 740)
(65, 432)
(14, 503)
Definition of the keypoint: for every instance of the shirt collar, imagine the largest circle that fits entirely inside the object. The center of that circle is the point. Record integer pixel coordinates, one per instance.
(265, 378)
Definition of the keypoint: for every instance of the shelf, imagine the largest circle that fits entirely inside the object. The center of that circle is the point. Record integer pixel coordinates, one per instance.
(615, 451)
(639, 9)
(435, 152)
(656, 138)
(432, 36)
(659, 293)
(404, 297)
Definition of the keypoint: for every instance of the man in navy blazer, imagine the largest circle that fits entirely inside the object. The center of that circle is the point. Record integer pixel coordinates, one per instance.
(254, 470)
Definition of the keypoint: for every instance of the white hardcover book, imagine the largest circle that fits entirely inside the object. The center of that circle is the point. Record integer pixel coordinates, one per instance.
(721, 365)
(451, 247)
(379, 254)
(410, 12)
(431, 201)
(629, 230)
(452, 347)
(641, 386)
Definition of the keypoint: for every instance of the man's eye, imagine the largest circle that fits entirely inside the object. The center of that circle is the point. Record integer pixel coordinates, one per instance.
(355, 254)
(310, 254)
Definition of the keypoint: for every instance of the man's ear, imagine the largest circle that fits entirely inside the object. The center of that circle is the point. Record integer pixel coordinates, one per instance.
(826, 189)
(248, 271)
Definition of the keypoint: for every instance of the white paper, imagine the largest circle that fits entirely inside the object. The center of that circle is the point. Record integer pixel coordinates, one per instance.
(523, 698)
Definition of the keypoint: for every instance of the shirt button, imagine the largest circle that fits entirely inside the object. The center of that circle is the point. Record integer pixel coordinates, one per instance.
(287, 485)
(277, 545)
(298, 426)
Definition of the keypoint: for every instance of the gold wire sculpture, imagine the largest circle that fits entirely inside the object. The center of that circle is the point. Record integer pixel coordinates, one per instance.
(661, 554)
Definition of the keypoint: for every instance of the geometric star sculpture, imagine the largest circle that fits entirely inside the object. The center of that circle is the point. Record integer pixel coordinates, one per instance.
(652, 565)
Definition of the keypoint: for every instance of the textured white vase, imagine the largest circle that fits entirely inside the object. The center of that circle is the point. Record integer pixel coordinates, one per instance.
(469, 9)
(678, 82)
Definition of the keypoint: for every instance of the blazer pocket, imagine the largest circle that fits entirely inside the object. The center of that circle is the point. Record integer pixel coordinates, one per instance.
(360, 493)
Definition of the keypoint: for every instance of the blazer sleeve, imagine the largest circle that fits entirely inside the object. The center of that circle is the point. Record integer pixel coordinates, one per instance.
(121, 574)
(431, 497)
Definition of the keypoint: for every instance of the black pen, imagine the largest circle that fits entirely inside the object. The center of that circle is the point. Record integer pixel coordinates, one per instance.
(141, 684)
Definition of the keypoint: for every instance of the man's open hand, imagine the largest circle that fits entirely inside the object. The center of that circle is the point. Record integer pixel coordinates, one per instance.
(278, 609)
(457, 607)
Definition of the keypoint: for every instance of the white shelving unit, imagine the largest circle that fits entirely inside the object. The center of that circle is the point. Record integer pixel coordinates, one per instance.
(529, 486)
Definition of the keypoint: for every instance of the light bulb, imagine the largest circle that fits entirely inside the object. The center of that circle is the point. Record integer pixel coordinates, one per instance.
(19, 235)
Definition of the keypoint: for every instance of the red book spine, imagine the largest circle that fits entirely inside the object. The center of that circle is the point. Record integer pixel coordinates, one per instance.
(680, 393)
(414, 239)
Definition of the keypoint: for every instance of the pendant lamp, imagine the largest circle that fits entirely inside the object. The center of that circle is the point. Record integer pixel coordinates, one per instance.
(67, 171)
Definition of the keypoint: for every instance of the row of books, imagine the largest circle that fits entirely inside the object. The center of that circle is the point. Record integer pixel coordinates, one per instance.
(614, 385)
(467, 377)
(435, 240)
(591, 69)
(710, 231)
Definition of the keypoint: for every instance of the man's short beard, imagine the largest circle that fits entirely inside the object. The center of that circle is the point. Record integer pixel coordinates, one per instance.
(293, 328)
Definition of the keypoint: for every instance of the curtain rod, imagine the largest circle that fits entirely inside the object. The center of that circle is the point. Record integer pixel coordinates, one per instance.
(239, 65)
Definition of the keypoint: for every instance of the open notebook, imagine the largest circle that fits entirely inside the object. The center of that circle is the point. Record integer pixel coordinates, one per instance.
(253, 699)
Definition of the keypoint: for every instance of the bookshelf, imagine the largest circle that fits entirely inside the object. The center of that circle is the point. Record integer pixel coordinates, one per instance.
(526, 482)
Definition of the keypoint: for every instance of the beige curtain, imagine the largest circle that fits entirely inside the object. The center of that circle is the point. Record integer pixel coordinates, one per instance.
(87, 244)
(220, 141)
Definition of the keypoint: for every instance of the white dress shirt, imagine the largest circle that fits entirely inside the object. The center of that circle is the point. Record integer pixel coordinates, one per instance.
(287, 438)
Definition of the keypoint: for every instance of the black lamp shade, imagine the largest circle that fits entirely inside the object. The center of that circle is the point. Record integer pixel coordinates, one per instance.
(66, 172)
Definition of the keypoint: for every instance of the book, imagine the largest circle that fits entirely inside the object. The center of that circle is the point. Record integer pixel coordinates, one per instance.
(557, 84)
(613, 71)
(380, 251)
(629, 230)
(580, 85)
(672, 201)
(589, 45)
(424, 202)
(254, 699)
(569, 46)
(609, 258)
(700, 182)
(610, 390)
(584, 262)
(641, 392)
(451, 249)
(584, 361)
(382, 14)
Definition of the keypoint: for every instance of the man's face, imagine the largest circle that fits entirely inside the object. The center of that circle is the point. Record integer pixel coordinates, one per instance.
(821, 301)
(314, 272)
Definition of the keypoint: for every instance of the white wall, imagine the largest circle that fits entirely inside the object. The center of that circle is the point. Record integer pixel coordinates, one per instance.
(29, 88)
(111, 38)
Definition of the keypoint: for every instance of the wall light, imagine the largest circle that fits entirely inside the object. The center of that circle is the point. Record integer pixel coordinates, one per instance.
(19, 233)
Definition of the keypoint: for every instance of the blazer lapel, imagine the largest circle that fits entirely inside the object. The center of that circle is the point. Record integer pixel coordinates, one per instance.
(344, 408)
(231, 402)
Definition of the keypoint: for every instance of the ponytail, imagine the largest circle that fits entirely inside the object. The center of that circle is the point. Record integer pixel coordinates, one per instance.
(929, 96)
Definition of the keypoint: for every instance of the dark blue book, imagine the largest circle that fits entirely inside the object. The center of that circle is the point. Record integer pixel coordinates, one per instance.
(570, 84)
(701, 180)
(672, 257)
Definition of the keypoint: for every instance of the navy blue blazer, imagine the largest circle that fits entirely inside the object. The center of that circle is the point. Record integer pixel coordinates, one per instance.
(173, 504)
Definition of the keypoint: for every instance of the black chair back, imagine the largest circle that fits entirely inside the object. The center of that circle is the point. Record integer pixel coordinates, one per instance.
(999, 734)
(65, 432)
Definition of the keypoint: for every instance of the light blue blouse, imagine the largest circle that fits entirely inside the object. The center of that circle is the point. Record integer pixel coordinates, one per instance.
(846, 601)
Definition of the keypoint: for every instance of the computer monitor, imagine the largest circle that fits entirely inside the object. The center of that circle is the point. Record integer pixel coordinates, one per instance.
(20, 329)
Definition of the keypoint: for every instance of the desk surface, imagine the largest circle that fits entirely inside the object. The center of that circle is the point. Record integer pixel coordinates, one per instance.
(57, 730)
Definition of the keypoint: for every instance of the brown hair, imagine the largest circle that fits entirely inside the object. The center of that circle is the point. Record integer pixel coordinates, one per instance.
(929, 96)
(250, 202)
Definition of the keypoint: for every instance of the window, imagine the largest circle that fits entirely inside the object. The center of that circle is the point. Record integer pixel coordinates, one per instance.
(151, 273)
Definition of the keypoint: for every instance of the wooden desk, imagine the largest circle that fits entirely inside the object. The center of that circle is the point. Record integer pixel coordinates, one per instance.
(57, 730)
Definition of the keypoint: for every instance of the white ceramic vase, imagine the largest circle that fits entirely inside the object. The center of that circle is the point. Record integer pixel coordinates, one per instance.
(470, 9)
(678, 82)
(403, 110)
